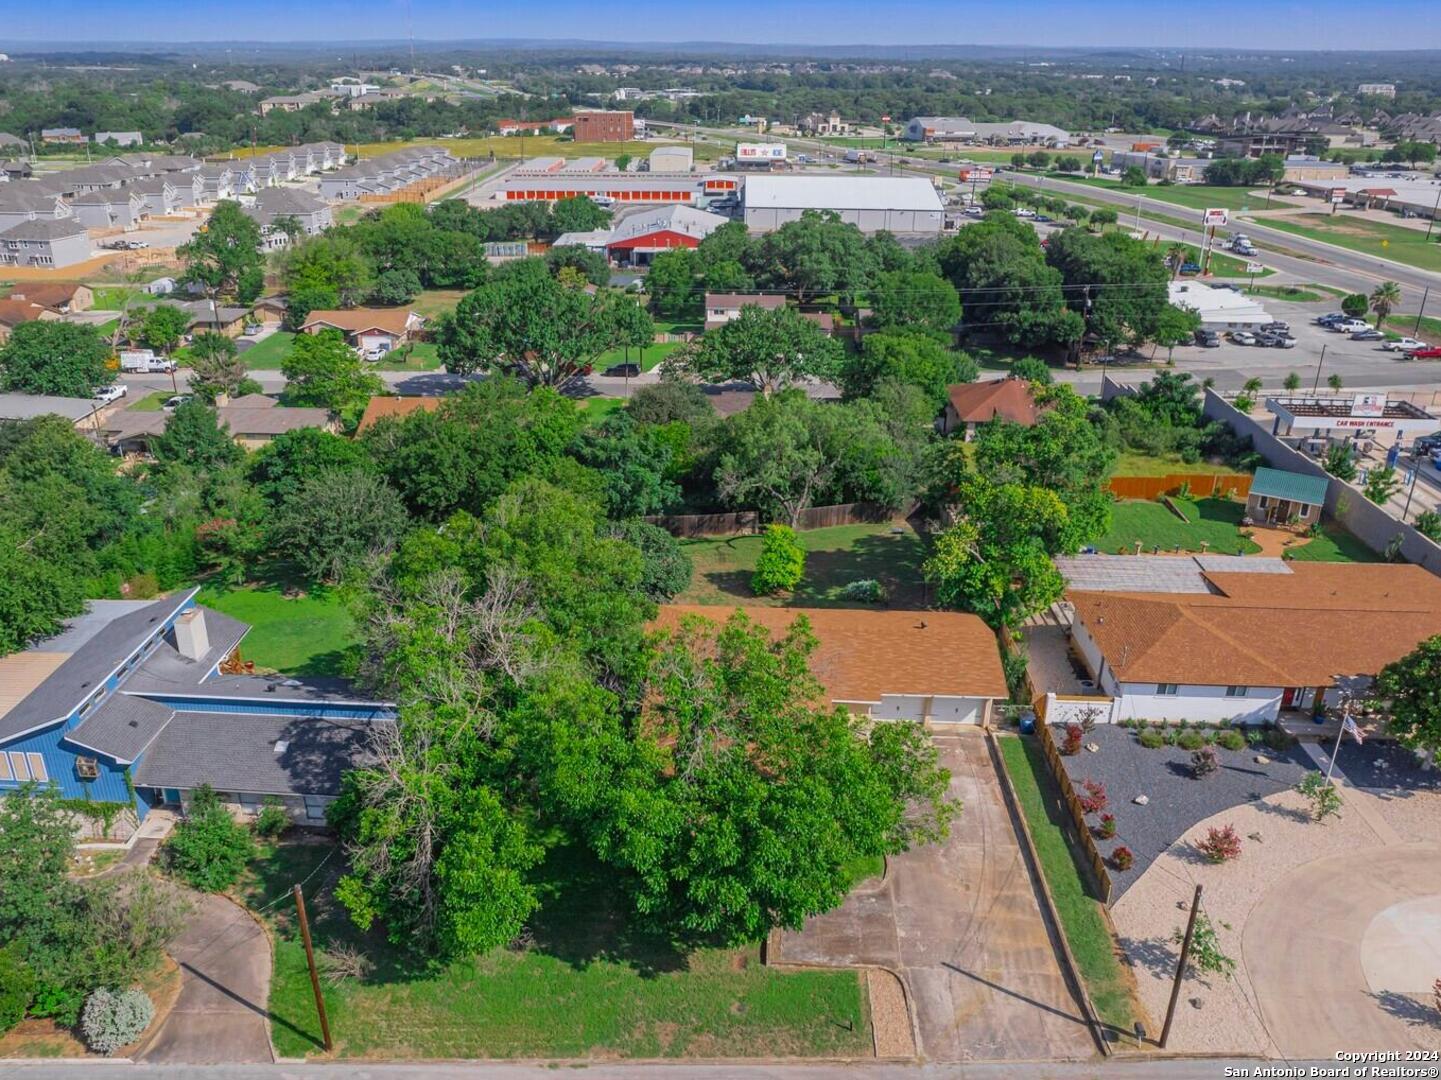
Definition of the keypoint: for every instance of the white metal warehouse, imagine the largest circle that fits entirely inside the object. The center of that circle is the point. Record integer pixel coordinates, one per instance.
(900, 204)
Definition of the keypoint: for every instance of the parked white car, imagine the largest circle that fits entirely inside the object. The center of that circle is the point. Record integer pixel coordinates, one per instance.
(114, 392)
(1405, 344)
(1351, 326)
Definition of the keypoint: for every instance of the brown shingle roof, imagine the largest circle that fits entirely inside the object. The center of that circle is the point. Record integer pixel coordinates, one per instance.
(51, 294)
(379, 408)
(864, 654)
(1010, 399)
(1297, 629)
(15, 312)
(355, 320)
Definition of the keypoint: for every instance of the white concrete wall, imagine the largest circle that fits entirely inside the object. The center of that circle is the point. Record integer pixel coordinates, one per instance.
(1091, 652)
(1201, 704)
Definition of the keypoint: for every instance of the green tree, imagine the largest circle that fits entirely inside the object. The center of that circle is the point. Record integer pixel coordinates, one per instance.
(1133, 176)
(770, 349)
(335, 520)
(1384, 299)
(53, 357)
(281, 466)
(321, 370)
(1101, 216)
(1117, 283)
(670, 400)
(208, 849)
(667, 568)
(1032, 369)
(1175, 326)
(673, 283)
(163, 326)
(1038, 159)
(528, 322)
(1380, 485)
(1355, 305)
(781, 563)
(577, 214)
(223, 257)
(395, 287)
(1428, 524)
(1292, 382)
(916, 358)
(216, 366)
(917, 298)
(324, 272)
(1340, 463)
(818, 253)
(592, 266)
(1333, 381)
(635, 461)
(194, 438)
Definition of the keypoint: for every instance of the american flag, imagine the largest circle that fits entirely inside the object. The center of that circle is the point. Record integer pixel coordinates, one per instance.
(1349, 727)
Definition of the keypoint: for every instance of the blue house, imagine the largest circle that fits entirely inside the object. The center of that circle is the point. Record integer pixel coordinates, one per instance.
(129, 704)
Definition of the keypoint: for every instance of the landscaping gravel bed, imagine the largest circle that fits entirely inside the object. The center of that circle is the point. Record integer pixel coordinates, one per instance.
(1178, 799)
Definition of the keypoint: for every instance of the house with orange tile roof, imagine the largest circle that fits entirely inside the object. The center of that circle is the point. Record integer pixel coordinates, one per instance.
(1242, 643)
(970, 404)
(382, 408)
(938, 667)
(371, 330)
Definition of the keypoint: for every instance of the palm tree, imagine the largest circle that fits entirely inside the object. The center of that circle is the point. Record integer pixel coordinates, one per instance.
(1177, 254)
(1252, 386)
(1384, 300)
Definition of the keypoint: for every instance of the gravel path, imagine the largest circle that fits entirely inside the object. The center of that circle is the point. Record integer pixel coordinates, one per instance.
(890, 1019)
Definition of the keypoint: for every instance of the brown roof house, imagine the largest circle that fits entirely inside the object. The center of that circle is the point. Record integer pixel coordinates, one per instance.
(721, 308)
(252, 420)
(975, 403)
(1248, 638)
(374, 331)
(66, 297)
(14, 312)
(937, 667)
(388, 407)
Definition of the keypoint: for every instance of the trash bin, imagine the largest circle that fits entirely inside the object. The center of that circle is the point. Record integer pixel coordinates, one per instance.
(1028, 723)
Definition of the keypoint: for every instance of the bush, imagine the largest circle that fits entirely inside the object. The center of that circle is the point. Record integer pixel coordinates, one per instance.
(17, 986)
(272, 820)
(209, 849)
(1108, 826)
(1231, 740)
(1071, 744)
(1190, 740)
(1151, 740)
(665, 567)
(1220, 845)
(1093, 798)
(781, 563)
(865, 591)
(1278, 740)
(113, 1020)
(1122, 858)
(1325, 799)
(1204, 762)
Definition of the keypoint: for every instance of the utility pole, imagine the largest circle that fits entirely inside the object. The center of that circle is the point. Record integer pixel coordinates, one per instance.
(1181, 967)
(1424, 297)
(1316, 386)
(314, 977)
(1434, 211)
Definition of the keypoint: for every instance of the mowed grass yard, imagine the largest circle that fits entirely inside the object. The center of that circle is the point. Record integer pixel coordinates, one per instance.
(591, 984)
(1377, 238)
(306, 635)
(1216, 522)
(268, 354)
(835, 557)
(1130, 463)
(1083, 920)
(1333, 544)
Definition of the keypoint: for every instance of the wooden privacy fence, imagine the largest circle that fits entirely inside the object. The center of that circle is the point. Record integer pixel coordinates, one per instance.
(749, 521)
(1202, 485)
(1073, 804)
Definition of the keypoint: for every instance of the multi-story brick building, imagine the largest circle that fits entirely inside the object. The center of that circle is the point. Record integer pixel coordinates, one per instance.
(604, 125)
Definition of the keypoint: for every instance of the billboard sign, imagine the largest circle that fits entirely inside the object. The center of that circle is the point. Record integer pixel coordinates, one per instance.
(760, 151)
(1098, 157)
(976, 175)
(1338, 195)
(1255, 268)
(1368, 405)
(1212, 218)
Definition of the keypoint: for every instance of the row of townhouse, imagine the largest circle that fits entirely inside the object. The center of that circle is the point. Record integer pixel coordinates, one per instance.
(387, 173)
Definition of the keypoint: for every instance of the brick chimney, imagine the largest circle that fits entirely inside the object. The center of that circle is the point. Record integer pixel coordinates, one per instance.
(191, 639)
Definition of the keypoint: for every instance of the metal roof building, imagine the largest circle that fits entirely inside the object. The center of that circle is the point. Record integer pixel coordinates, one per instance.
(900, 204)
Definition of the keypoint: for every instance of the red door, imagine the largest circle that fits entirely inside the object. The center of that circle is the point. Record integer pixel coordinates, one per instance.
(1288, 699)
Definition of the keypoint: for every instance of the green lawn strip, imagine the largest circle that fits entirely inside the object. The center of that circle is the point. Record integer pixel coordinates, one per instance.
(1333, 544)
(590, 984)
(1402, 245)
(1131, 463)
(647, 358)
(1192, 196)
(268, 353)
(1299, 294)
(1405, 325)
(1082, 921)
(418, 356)
(835, 557)
(112, 297)
(1152, 523)
(308, 635)
(596, 409)
(152, 402)
(1222, 265)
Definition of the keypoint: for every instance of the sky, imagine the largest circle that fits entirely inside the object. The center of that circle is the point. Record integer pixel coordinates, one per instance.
(1249, 24)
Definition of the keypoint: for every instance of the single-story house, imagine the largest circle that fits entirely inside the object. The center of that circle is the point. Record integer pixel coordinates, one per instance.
(1214, 638)
(1218, 309)
(1279, 497)
(938, 667)
(222, 318)
(384, 408)
(969, 404)
(139, 702)
(368, 328)
(721, 308)
(78, 411)
(252, 420)
(15, 312)
(66, 297)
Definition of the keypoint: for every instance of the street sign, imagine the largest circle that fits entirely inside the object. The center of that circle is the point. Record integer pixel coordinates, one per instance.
(1212, 218)
(1098, 157)
(1255, 268)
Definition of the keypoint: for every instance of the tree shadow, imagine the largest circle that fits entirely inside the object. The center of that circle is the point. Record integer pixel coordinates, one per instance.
(1289, 813)
(732, 582)
(1155, 955)
(1413, 1011)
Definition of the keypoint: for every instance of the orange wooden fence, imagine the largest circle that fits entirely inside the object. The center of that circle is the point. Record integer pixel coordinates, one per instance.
(1202, 485)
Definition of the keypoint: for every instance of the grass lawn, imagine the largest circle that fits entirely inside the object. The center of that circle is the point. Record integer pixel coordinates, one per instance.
(1193, 196)
(111, 297)
(1222, 265)
(1082, 919)
(1131, 463)
(420, 356)
(1300, 294)
(958, 154)
(590, 985)
(268, 353)
(647, 358)
(308, 635)
(1333, 544)
(153, 402)
(433, 303)
(1395, 242)
(349, 215)
(835, 557)
(1430, 330)
(1215, 520)
(596, 409)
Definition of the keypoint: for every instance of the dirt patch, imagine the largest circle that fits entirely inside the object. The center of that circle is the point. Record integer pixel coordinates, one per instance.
(890, 1019)
(40, 1039)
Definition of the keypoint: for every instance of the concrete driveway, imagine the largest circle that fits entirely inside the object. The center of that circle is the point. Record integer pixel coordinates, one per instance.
(220, 1015)
(960, 924)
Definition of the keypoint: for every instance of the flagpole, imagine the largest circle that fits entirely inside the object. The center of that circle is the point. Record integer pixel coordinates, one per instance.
(1341, 730)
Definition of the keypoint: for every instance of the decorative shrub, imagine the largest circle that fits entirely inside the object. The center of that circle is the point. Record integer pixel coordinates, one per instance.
(865, 591)
(1170, 737)
(272, 819)
(1122, 858)
(1325, 799)
(1071, 744)
(1220, 845)
(17, 986)
(1204, 761)
(1093, 796)
(112, 1020)
(1108, 826)
(1151, 740)
(1276, 739)
(209, 849)
(1190, 740)
(781, 563)
(1231, 740)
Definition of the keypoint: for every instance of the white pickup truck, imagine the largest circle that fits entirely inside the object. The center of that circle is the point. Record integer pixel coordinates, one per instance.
(144, 362)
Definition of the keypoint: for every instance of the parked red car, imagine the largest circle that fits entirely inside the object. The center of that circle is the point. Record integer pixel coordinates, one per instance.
(1433, 353)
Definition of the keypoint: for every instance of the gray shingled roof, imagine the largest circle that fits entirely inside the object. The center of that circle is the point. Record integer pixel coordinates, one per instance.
(165, 671)
(44, 229)
(282, 201)
(1158, 573)
(237, 752)
(87, 667)
(122, 727)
